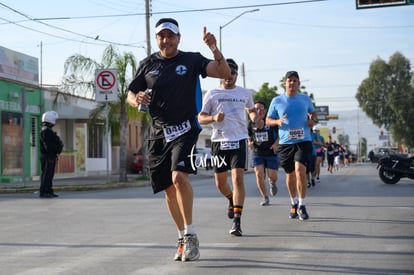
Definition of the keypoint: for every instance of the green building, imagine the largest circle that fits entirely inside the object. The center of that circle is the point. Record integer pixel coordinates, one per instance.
(21, 107)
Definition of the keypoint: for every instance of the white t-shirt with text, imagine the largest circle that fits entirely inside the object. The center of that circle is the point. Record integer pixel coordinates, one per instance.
(233, 103)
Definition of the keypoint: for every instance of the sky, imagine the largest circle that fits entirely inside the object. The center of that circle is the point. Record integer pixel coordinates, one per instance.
(330, 43)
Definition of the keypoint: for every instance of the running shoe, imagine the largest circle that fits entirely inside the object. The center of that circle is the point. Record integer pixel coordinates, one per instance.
(293, 212)
(313, 181)
(273, 189)
(265, 201)
(191, 251)
(235, 229)
(230, 211)
(180, 249)
(303, 214)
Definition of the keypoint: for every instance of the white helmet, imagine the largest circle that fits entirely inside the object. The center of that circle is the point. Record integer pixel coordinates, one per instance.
(50, 117)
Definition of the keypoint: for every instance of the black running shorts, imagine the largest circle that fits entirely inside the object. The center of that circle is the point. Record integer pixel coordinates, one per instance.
(290, 153)
(223, 160)
(172, 156)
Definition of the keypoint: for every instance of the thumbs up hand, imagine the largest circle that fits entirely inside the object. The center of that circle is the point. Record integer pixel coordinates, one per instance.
(209, 39)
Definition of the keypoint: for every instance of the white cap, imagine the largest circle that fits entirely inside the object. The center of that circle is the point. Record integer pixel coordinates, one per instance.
(167, 26)
(315, 128)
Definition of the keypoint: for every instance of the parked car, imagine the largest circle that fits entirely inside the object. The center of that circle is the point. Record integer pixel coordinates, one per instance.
(137, 163)
(377, 153)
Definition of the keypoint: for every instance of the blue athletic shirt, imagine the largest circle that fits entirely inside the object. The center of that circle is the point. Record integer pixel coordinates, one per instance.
(297, 109)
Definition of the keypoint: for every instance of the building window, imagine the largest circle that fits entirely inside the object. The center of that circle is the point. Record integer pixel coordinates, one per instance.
(11, 143)
(129, 136)
(96, 137)
(136, 137)
(33, 131)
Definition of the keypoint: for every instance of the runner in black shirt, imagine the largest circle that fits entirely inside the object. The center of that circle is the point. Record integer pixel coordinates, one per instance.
(330, 154)
(264, 143)
(175, 101)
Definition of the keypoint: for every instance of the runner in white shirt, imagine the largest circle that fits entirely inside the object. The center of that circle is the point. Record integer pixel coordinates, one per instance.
(226, 109)
(232, 103)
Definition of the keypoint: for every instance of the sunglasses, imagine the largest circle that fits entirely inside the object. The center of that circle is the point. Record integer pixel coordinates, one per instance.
(259, 108)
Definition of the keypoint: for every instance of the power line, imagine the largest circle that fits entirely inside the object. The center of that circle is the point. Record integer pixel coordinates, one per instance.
(180, 11)
(318, 66)
(96, 38)
(226, 8)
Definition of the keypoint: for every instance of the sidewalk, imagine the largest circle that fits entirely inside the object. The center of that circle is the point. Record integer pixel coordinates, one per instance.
(86, 183)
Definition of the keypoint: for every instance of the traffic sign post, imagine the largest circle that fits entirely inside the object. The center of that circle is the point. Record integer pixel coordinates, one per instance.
(106, 90)
(106, 85)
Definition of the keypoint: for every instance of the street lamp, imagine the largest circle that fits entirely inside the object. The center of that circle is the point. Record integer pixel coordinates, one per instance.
(222, 27)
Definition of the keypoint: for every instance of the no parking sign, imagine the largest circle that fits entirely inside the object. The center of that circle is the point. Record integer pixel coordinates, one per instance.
(106, 85)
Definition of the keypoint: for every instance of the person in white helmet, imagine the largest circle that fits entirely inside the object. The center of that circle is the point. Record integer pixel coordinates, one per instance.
(50, 147)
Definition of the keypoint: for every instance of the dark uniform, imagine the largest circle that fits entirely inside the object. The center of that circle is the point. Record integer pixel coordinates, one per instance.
(175, 103)
(330, 151)
(263, 139)
(50, 147)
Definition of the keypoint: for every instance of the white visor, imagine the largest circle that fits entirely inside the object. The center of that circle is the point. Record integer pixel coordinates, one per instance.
(167, 26)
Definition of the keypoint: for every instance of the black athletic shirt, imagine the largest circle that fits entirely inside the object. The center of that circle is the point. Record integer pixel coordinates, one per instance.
(263, 139)
(176, 89)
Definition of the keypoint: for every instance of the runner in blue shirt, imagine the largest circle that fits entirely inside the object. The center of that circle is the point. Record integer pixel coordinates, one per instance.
(295, 114)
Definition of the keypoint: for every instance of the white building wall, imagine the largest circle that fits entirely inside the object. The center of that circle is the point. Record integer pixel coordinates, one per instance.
(73, 110)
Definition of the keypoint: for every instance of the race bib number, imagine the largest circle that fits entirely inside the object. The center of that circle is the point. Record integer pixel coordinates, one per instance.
(261, 136)
(296, 134)
(229, 145)
(172, 132)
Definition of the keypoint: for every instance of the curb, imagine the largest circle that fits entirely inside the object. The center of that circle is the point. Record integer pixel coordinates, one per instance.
(80, 187)
(59, 187)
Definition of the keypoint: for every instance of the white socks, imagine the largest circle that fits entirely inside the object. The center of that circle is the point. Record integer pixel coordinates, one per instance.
(189, 229)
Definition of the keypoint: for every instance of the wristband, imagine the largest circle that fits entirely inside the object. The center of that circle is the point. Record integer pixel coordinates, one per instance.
(315, 120)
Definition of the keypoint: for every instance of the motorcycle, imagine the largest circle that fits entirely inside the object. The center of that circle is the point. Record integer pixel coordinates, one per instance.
(393, 167)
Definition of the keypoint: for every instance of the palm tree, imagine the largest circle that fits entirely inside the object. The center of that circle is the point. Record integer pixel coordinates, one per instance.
(79, 79)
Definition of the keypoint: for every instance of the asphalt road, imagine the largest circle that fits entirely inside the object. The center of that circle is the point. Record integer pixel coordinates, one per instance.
(357, 225)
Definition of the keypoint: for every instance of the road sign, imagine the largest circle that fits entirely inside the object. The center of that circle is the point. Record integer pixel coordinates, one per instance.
(383, 137)
(322, 111)
(364, 4)
(106, 85)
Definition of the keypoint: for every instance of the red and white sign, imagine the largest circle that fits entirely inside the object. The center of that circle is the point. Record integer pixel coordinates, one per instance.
(106, 85)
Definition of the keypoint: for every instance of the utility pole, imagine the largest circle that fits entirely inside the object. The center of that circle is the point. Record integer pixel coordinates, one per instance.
(41, 64)
(222, 27)
(243, 75)
(144, 122)
(147, 24)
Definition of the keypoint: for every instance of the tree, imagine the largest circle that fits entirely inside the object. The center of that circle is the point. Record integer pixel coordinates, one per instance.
(79, 79)
(387, 97)
(265, 94)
